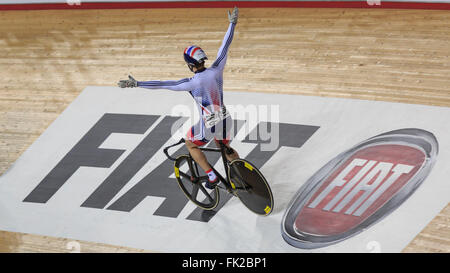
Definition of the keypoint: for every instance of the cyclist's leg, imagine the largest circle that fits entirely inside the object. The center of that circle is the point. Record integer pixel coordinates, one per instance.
(232, 156)
(192, 143)
(197, 155)
(222, 132)
(194, 139)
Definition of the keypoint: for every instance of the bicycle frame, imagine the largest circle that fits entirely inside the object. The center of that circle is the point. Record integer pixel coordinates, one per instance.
(221, 150)
(256, 197)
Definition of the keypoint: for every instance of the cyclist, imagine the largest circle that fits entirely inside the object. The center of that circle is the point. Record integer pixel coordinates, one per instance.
(206, 87)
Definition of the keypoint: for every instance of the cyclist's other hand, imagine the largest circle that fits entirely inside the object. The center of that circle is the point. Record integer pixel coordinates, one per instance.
(233, 17)
(131, 82)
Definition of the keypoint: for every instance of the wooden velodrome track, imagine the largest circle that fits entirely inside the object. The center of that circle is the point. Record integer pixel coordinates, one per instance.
(48, 57)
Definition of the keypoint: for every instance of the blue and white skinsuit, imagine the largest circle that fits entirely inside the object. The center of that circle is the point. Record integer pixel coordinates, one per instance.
(206, 87)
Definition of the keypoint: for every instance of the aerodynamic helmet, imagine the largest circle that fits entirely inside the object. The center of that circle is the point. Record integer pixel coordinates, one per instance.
(194, 55)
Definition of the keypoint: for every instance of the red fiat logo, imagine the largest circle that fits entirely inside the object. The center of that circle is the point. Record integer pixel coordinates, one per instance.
(359, 187)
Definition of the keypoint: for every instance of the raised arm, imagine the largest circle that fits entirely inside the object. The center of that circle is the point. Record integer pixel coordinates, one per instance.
(181, 85)
(223, 50)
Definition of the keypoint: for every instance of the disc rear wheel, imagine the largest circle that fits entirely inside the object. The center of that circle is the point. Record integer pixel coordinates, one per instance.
(251, 187)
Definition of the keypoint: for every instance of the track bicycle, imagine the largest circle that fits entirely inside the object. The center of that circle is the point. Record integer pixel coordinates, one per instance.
(242, 179)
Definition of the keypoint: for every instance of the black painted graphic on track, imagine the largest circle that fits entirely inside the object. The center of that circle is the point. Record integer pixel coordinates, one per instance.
(87, 154)
(131, 165)
(157, 183)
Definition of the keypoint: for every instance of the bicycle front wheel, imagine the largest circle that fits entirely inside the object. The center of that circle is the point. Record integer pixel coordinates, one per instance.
(250, 186)
(187, 175)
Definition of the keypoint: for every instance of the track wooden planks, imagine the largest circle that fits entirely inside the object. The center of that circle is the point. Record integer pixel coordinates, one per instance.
(48, 57)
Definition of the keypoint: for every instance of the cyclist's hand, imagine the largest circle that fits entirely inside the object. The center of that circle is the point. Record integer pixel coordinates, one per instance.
(131, 82)
(233, 17)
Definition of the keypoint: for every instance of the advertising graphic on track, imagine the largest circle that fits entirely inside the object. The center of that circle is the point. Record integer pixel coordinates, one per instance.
(99, 173)
(359, 187)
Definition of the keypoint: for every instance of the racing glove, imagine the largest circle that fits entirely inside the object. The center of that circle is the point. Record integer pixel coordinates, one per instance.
(131, 82)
